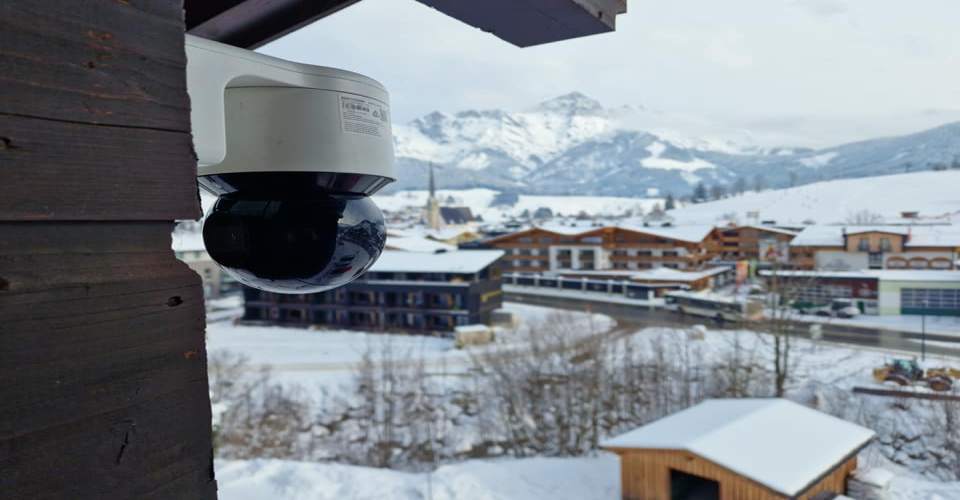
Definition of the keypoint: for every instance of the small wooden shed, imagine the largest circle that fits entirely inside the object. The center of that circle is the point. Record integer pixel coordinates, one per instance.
(743, 449)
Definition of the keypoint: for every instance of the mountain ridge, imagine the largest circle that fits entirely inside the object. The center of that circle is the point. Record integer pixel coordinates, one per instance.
(572, 144)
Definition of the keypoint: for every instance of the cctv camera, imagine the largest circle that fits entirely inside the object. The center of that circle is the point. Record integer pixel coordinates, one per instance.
(293, 153)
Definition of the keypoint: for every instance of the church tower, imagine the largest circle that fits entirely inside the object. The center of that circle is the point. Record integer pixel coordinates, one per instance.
(433, 206)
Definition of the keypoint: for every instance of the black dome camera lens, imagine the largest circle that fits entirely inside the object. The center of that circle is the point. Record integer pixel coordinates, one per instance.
(297, 241)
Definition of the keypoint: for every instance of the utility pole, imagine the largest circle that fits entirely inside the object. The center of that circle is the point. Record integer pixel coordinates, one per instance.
(923, 332)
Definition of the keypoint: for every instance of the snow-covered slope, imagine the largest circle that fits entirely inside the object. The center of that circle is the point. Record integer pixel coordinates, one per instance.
(934, 194)
(484, 202)
(574, 145)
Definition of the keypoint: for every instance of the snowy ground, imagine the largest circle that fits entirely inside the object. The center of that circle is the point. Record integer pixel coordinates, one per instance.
(326, 359)
(930, 193)
(531, 478)
(823, 375)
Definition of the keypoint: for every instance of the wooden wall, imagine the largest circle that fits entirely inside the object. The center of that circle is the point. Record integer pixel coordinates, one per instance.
(645, 475)
(102, 360)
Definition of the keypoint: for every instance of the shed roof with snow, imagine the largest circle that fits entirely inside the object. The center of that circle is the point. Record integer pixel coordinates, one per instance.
(777, 443)
(460, 261)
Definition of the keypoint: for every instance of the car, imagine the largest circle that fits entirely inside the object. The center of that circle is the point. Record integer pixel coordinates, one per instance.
(837, 308)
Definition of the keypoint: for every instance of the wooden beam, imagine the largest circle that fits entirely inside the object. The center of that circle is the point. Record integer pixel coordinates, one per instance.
(102, 352)
(534, 22)
(252, 23)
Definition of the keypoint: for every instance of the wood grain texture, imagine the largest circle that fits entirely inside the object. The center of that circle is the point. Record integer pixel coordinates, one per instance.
(54, 170)
(103, 371)
(97, 62)
(645, 475)
(103, 376)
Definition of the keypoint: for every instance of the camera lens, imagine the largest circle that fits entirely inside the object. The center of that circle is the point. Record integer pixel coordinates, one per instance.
(300, 241)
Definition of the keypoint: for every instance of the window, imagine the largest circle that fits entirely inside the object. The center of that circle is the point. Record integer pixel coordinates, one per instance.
(546, 240)
(885, 245)
(863, 245)
(930, 301)
(525, 239)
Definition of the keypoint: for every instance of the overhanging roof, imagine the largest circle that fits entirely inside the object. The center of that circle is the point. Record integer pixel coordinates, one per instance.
(252, 23)
(534, 22)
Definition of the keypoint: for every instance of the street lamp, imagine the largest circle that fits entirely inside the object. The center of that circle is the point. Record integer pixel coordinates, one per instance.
(923, 331)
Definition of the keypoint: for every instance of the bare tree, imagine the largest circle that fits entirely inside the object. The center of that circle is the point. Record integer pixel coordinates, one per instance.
(784, 292)
(864, 217)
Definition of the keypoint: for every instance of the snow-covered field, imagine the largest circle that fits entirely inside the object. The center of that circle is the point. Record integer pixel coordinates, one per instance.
(479, 200)
(324, 360)
(822, 377)
(930, 193)
(531, 478)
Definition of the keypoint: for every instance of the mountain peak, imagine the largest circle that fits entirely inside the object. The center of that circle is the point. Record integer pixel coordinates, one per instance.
(571, 103)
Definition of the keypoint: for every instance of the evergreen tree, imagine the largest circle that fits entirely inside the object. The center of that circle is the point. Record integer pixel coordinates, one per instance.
(700, 193)
(670, 203)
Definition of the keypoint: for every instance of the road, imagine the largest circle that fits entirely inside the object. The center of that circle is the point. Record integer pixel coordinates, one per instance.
(845, 334)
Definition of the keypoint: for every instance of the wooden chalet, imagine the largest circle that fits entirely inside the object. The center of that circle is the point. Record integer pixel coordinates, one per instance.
(739, 449)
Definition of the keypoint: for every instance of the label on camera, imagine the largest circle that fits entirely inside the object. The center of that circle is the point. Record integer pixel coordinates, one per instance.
(360, 115)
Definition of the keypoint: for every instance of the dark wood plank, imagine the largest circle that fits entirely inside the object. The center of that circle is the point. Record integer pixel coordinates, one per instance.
(94, 62)
(102, 364)
(103, 376)
(52, 170)
(252, 23)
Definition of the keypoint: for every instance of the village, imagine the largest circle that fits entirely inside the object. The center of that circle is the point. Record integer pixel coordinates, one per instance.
(479, 250)
(858, 321)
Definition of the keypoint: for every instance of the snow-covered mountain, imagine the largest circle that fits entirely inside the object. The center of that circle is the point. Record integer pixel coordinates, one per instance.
(574, 145)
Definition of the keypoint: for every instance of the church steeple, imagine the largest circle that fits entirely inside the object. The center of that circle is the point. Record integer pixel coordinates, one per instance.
(433, 206)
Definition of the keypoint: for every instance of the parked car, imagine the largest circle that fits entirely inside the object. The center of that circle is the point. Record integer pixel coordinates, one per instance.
(838, 308)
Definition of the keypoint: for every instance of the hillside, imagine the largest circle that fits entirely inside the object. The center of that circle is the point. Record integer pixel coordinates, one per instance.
(484, 202)
(574, 145)
(933, 194)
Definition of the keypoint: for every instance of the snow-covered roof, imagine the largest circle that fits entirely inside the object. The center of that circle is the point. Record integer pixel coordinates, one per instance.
(657, 274)
(919, 236)
(416, 244)
(460, 261)
(881, 274)
(715, 297)
(770, 229)
(693, 233)
(775, 442)
(667, 274)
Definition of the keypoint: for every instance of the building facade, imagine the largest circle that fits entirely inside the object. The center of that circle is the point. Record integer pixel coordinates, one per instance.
(403, 291)
(884, 292)
(761, 243)
(842, 248)
(542, 249)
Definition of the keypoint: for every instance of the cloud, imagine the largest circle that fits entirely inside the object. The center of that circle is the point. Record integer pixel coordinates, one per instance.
(822, 8)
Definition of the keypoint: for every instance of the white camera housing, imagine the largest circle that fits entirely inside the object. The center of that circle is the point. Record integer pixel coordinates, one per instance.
(293, 151)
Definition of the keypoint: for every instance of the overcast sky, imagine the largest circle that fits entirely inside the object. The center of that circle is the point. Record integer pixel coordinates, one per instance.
(791, 72)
